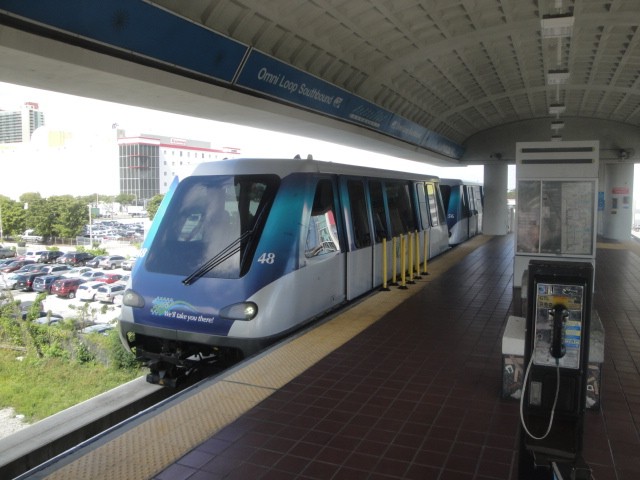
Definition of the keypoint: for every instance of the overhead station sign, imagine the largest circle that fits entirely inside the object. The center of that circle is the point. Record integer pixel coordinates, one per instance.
(269, 76)
(142, 29)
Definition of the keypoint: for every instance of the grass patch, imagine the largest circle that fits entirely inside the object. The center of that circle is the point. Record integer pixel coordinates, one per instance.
(40, 387)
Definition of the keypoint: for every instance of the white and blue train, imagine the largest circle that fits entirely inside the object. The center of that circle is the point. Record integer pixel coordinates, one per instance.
(243, 252)
(463, 203)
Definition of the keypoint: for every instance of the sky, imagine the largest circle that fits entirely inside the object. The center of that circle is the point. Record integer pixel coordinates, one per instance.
(73, 169)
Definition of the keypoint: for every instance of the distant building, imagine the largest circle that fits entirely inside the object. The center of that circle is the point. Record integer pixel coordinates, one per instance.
(18, 126)
(148, 163)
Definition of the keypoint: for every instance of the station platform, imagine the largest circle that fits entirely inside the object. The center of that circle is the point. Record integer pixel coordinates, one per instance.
(404, 384)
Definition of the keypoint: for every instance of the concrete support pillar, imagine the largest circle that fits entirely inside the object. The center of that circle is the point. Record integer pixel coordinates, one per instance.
(617, 185)
(495, 217)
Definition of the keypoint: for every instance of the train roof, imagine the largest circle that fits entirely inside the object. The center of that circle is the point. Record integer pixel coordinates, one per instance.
(457, 181)
(287, 166)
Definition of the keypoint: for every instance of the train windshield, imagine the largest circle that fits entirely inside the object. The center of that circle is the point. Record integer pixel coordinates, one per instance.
(211, 225)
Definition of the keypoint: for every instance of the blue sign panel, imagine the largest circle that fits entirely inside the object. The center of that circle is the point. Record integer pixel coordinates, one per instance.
(141, 28)
(269, 76)
(136, 26)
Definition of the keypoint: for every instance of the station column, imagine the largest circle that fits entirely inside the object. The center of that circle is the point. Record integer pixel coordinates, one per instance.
(617, 190)
(495, 199)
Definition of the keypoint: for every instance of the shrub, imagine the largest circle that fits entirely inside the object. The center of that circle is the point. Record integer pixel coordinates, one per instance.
(119, 356)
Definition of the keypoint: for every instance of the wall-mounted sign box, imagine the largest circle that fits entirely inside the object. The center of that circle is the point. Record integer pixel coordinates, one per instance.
(557, 185)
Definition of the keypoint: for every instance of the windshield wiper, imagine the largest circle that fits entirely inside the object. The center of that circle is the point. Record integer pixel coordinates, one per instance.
(223, 255)
(226, 253)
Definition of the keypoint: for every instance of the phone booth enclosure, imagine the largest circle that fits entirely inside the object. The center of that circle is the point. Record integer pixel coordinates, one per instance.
(558, 310)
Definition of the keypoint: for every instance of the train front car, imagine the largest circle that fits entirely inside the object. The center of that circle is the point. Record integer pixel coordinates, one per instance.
(243, 252)
(193, 293)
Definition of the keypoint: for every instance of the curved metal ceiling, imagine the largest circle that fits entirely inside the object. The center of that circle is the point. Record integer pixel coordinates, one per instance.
(475, 72)
(457, 67)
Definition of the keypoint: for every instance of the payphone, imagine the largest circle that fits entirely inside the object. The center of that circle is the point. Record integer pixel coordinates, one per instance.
(552, 403)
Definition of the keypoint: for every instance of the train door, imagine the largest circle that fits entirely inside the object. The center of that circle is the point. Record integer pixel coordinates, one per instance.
(439, 232)
(360, 242)
(478, 194)
(402, 214)
(472, 213)
(463, 214)
(323, 278)
(380, 216)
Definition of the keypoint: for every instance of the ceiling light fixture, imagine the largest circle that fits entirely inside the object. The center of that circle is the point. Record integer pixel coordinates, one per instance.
(556, 138)
(557, 26)
(557, 77)
(557, 108)
(557, 125)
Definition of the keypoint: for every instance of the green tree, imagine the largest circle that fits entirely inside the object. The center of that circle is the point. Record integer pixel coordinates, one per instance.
(71, 214)
(13, 216)
(38, 214)
(153, 204)
(125, 198)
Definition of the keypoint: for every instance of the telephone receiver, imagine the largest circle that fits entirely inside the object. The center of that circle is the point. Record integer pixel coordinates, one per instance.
(560, 315)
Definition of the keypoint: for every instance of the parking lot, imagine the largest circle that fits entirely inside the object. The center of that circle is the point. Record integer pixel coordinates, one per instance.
(90, 312)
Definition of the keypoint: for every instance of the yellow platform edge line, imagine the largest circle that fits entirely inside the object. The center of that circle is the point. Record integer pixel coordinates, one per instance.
(158, 442)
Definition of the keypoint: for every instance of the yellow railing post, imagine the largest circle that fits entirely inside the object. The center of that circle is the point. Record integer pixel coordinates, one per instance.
(417, 264)
(426, 252)
(403, 261)
(384, 265)
(394, 261)
(410, 253)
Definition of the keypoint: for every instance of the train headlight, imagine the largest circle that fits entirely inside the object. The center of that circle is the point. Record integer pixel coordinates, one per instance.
(240, 311)
(132, 299)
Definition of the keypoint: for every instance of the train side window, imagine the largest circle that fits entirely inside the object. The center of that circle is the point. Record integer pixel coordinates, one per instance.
(322, 235)
(423, 205)
(434, 208)
(400, 210)
(359, 218)
(442, 211)
(466, 213)
(379, 212)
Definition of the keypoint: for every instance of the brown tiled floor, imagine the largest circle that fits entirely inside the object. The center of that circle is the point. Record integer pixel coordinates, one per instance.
(417, 395)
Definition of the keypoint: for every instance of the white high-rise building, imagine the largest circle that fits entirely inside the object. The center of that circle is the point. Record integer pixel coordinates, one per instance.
(18, 126)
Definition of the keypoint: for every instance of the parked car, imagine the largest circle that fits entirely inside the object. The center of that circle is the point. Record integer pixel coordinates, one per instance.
(87, 291)
(124, 279)
(25, 281)
(109, 278)
(98, 328)
(48, 318)
(92, 275)
(30, 236)
(128, 263)
(34, 255)
(76, 272)
(75, 258)
(66, 287)
(95, 261)
(59, 269)
(107, 293)
(30, 267)
(7, 252)
(40, 315)
(43, 283)
(15, 265)
(112, 261)
(9, 280)
(50, 256)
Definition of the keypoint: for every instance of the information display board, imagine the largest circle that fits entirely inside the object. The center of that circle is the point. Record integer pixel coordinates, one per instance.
(555, 217)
